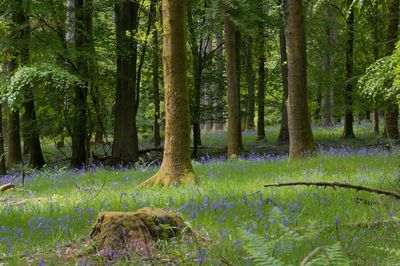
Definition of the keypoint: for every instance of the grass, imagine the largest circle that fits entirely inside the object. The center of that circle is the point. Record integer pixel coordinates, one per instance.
(58, 206)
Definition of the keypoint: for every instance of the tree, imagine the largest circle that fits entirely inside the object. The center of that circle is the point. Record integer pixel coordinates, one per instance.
(348, 94)
(261, 85)
(176, 167)
(300, 134)
(83, 23)
(283, 137)
(30, 127)
(392, 108)
(234, 132)
(125, 145)
(2, 151)
(250, 79)
(156, 88)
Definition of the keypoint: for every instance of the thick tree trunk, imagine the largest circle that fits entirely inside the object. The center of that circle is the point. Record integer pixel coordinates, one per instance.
(348, 131)
(392, 108)
(82, 45)
(220, 87)
(156, 90)
(261, 86)
(300, 134)
(125, 145)
(250, 79)
(31, 132)
(283, 137)
(13, 139)
(232, 86)
(176, 167)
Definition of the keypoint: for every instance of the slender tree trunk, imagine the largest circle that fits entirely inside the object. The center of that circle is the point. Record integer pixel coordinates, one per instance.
(261, 86)
(283, 137)
(232, 86)
(348, 131)
(376, 41)
(300, 134)
(125, 146)
(327, 92)
(220, 87)
(195, 95)
(2, 151)
(238, 41)
(156, 90)
(250, 78)
(176, 167)
(392, 108)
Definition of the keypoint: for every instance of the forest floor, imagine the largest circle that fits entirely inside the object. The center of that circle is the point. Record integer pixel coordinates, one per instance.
(48, 220)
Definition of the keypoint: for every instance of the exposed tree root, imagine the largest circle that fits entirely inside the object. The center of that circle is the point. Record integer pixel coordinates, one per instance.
(165, 179)
(6, 187)
(334, 185)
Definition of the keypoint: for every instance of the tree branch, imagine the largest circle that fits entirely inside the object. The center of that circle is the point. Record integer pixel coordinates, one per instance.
(334, 185)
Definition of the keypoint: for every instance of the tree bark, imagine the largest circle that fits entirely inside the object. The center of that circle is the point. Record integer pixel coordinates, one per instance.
(195, 95)
(232, 85)
(327, 92)
(392, 108)
(156, 89)
(125, 145)
(283, 137)
(13, 139)
(2, 151)
(300, 135)
(250, 79)
(261, 86)
(176, 167)
(220, 87)
(30, 129)
(82, 12)
(348, 131)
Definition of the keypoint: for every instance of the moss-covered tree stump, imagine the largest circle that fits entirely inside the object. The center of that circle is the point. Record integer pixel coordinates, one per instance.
(117, 234)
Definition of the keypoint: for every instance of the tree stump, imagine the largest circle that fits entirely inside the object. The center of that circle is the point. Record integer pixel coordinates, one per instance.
(118, 234)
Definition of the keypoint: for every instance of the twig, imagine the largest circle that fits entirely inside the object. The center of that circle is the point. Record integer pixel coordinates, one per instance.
(6, 187)
(309, 256)
(337, 184)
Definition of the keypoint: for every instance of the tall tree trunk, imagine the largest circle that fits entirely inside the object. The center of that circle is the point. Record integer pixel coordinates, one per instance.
(79, 123)
(195, 96)
(250, 78)
(176, 167)
(232, 85)
(300, 135)
(348, 131)
(220, 87)
(283, 137)
(125, 146)
(392, 108)
(30, 130)
(156, 90)
(2, 151)
(375, 50)
(327, 92)
(238, 41)
(261, 86)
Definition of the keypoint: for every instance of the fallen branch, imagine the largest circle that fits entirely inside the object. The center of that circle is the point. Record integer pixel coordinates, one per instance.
(334, 185)
(6, 187)
(309, 256)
